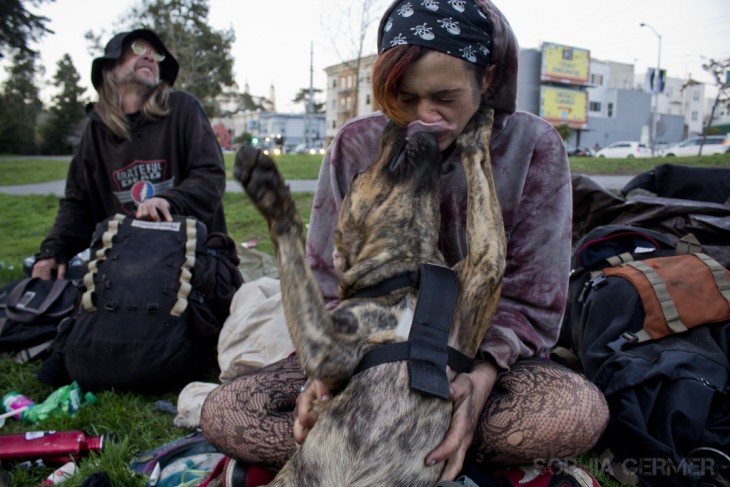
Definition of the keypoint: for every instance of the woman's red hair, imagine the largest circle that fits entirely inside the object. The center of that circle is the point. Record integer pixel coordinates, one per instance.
(388, 70)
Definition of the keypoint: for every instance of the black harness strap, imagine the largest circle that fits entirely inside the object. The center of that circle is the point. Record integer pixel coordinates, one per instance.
(459, 361)
(426, 350)
(382, 354)
(430, 331)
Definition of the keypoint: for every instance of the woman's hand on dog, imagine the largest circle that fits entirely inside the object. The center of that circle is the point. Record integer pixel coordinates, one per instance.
(469, 393)
(305, 414)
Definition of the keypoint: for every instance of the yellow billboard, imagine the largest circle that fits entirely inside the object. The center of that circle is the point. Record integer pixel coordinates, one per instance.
(565, 64)
(564, 106)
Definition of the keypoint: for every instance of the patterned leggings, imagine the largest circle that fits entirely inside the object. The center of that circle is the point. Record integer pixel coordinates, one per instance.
(539, 409)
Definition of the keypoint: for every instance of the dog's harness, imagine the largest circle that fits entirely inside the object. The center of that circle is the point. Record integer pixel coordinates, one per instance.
(426, 349)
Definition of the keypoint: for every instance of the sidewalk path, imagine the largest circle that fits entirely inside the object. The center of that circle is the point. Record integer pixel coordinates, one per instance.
(296, 185)
(57, 187)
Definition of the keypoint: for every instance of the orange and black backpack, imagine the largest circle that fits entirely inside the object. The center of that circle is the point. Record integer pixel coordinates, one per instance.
(649, 320)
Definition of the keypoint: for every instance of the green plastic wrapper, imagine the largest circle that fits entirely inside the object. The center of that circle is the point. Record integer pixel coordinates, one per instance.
(64, 401)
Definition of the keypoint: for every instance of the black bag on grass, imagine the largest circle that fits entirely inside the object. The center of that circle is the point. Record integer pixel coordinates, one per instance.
(30, 313)
(151, 310)
(652, 331)
(603, 247)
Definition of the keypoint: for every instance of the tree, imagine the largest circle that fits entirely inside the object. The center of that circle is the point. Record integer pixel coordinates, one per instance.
(66, 112)
(244, 138)
(564, 131)
(358, 22)
(20, 105)
(303, 97)
(18, 26)
(206, 64)
(232, 102)
(719, 69)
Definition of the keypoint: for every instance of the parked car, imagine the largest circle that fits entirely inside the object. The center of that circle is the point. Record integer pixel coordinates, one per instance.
(713, 144)
(303, 149)
(624, 149)
(579, 151)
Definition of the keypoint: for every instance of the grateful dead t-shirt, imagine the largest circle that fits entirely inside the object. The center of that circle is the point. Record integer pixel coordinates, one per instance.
(140, 181)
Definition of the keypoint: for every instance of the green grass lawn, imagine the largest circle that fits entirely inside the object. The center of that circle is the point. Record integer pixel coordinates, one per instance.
(599, 165)
(25, 221)
(298, 166)
(17, 170)
(31, 170)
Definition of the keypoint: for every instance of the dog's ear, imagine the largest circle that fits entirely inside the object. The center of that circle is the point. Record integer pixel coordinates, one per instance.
(393, 135)
(483, 116)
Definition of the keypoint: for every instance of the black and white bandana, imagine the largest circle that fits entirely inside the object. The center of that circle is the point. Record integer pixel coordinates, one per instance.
(458, 28)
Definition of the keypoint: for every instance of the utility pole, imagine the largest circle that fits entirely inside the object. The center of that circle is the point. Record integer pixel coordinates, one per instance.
(655, 89)
(310, 101)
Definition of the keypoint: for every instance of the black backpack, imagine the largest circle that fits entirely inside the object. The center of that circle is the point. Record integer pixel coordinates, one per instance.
(668, 393)
(155, 298)
(602, 247)
(31, 311)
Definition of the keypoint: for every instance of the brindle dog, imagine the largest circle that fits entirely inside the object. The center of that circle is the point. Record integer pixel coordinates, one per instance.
(375, 430)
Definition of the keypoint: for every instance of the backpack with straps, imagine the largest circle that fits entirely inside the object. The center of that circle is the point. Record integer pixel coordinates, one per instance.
(677, 293)
(602, 247)
(155, 297)
(654, 335)
(31, 311)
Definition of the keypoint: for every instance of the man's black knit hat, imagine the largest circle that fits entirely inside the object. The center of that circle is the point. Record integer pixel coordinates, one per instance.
(114, 51)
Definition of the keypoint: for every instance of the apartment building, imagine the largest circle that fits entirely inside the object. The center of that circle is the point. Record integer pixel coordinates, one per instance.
(348, 93)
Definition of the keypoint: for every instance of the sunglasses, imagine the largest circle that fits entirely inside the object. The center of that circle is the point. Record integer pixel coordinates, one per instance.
(141, 49)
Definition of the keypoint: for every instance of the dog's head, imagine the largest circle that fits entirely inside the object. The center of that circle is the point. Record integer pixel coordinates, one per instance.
(389, 220)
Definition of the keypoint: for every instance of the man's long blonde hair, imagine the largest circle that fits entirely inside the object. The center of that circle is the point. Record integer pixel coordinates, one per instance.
(109, 106)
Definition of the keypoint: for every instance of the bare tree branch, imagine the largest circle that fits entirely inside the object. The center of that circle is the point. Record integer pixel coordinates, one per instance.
(718, 69)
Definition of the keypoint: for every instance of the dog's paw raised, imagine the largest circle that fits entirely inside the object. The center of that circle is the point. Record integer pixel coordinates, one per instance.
(247, 158)
(266, 188)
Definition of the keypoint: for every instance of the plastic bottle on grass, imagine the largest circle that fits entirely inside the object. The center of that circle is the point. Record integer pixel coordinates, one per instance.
(64, 401)
(53, 447)
(61, 474)
(12, 401)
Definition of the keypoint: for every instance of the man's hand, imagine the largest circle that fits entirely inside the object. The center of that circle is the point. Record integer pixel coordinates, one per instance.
(469, 392)
(305, 414)
(43, 268)
(153, 208)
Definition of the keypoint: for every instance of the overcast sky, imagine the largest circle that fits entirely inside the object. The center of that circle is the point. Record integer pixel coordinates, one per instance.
(273, 38)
